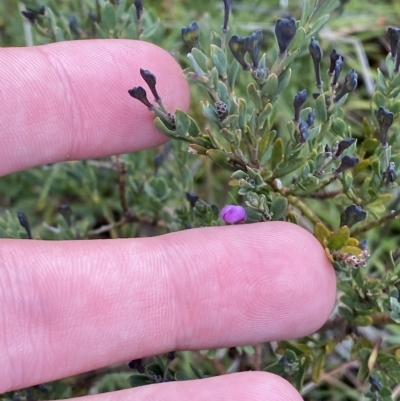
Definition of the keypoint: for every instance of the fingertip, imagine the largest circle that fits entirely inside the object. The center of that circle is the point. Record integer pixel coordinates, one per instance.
(73, 102)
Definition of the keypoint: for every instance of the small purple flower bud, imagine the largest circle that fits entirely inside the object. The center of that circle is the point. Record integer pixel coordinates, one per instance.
(171, 356)
(334, 56)
(352, 215)
(140, 94)
(73, 26)
(394, 38)
(385, 119)
(29, 15)
(136, 364)
(337, 70)
(233, 214)
(343, 145)
(227, 11)
(350, 83)
(23, 220)
(285, 30)
(253, 45)
(347, 162)
(303, 132)
(298, 102)
(190, 35)
(42, 10)
(316, 55)
(237, 44)
(397, 64)
(192, 198)
(311, 118)
(389, 175)
(151, 81)
(363, 245)
(139, 8)
(328, 152)
(375, 385)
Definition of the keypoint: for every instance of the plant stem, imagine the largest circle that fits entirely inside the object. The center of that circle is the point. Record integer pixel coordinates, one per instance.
(392, 215)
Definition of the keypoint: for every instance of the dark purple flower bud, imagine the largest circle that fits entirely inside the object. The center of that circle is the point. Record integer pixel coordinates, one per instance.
(311, 118)
(343, 145)
(352, 215)
(350, 83)
(227, 11)
(303, 132)
(29, 15)
(253, 45)
(171, 356)
(139, 8)
(375, 385)
(385, 119)
(190, 35)
(92, 16)
(316, 55)
(237, 44)
(140, 94)
(394, 38)
(233, 214)
(347, 162)
(285, 30)
(23, 220)
(192, 198)
(338, 69)
(136, 364)
(298, 102)
(334, 56)
(397, 64)
(73, 25)
(389, 175)
(42, 10)
(151, 81)
(363, 245)
(328, 152)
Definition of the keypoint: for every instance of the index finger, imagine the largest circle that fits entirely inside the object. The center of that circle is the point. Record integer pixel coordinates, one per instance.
(69, 100)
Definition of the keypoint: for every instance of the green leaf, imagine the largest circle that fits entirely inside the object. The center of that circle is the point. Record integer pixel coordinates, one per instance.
(321, 233)
(139, 380)
(210, 113)
(150, 30)
(277, 153)
(182, 122)
(339, 238)
(219, 60)
(265, 142)
(288, 166)
(339, 128)
(320, 109)
(270, 87)
(108, 20)
(298, 40)
(254, 96)
(279, 207)
(233, 70)
(381, 85)
(201, 59)
(283, 80)
(317, 25)
(379, 99)
(220, 158)
(263, 116)
(308, 7)
(346, 313)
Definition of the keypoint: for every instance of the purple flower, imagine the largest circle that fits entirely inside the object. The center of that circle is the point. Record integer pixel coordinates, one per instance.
(233, 214)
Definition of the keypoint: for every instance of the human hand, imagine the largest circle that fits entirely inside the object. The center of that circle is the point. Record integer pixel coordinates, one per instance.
(73, 306)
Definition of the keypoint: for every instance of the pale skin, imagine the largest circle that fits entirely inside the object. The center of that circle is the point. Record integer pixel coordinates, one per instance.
(70, 307)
